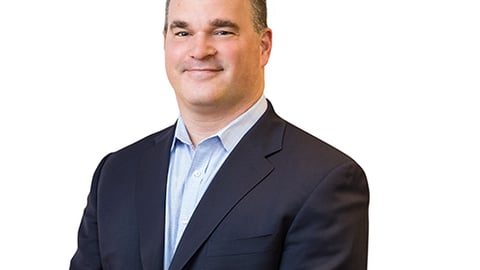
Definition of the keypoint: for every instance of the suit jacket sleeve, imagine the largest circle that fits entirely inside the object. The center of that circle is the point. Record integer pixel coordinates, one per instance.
(331, 229)
(87, 255)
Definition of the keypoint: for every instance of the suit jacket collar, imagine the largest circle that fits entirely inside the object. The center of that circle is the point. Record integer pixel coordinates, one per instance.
(245, 167)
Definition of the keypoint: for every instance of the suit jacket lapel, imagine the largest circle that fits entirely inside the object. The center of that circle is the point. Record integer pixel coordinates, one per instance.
(241, 172)
(150, 199)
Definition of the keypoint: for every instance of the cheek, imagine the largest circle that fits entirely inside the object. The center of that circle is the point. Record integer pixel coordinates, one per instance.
(244, 60)
(233, 58)
(170, 59)
(173, 55)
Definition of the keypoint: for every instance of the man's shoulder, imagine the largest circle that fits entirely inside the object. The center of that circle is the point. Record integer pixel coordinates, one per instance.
(299, 142)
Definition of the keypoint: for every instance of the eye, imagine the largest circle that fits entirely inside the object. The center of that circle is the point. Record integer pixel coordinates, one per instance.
(181, 34)
(223, 33)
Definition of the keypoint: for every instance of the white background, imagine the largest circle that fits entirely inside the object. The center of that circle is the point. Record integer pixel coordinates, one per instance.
(392, 83)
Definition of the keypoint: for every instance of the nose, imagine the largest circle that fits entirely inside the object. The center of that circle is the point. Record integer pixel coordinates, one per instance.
(201, 47)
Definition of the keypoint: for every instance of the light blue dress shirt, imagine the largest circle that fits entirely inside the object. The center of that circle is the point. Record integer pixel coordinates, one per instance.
(192, 169)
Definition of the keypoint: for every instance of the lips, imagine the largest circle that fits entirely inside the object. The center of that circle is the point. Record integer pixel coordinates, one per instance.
(203, 69)
(202, 73)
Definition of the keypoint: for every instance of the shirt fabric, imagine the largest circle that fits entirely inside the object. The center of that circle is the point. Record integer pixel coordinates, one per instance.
(192, 169)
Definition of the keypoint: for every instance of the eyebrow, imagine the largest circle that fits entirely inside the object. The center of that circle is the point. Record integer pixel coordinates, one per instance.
(224, 23)
(218, 23)
(178, 24)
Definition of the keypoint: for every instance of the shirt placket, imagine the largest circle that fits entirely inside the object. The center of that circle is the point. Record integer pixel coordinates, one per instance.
(192, 186)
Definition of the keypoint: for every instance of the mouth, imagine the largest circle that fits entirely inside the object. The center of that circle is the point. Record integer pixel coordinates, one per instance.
(203, 72)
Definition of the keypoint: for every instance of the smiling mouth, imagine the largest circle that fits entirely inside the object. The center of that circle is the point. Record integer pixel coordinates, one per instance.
(201, 74)
(204, 70)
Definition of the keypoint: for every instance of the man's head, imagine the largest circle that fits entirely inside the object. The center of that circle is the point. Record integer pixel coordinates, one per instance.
(215, 54)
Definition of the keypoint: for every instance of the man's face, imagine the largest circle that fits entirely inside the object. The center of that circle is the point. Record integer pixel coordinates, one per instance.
(213, 56)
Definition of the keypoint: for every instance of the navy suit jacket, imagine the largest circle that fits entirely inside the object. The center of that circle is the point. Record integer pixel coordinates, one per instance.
(283, 199)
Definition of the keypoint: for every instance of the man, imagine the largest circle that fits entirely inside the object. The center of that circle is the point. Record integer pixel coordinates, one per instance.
(230, 185)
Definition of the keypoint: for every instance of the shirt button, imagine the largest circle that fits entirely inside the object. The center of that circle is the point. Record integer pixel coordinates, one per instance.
(197, 173)
(184, 221)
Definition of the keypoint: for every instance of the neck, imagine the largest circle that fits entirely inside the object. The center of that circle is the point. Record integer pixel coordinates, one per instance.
(202, 124)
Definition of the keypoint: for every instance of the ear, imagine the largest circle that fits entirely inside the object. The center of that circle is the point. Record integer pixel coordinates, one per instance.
(266, 45)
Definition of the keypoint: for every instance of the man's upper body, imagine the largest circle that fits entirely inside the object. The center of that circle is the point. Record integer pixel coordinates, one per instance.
(281, 200)
(277, 198)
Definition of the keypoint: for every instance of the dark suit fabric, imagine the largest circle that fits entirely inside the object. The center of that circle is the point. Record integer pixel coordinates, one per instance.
(283, 199)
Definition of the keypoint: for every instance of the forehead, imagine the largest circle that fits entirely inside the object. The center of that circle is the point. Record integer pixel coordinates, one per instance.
(192, 10)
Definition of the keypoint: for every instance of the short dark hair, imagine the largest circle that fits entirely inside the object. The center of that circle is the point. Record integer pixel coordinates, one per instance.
(259, 15)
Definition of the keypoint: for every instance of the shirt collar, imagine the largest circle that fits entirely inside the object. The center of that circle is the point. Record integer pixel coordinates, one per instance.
(231, 134)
